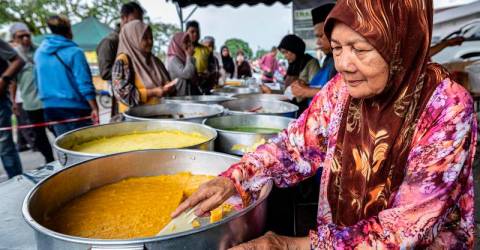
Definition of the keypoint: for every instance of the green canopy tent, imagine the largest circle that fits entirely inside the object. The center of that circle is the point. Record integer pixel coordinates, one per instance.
(87, 34)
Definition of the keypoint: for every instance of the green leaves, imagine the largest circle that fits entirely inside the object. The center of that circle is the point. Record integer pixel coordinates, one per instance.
(235, 44)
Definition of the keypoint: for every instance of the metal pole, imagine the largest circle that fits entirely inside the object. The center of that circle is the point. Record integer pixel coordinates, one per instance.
(191, 13)
(180, 15)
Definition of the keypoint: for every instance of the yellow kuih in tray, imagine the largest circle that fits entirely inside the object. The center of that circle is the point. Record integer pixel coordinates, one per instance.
(131, 208)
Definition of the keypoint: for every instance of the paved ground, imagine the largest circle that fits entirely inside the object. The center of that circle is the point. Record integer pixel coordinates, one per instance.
(32, 160)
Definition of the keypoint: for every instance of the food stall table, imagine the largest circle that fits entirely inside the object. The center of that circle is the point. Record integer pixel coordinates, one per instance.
(14, 231)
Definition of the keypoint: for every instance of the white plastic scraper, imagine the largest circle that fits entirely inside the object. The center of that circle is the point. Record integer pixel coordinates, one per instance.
(181, 223)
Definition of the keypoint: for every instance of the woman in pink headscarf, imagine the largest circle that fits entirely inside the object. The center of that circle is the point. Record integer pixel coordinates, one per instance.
(181, 63)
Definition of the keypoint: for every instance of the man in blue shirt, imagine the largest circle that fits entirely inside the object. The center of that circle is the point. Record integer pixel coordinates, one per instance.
(64, 79)
(301, 89)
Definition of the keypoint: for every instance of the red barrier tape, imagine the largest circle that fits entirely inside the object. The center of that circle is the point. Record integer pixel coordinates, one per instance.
(45, 124)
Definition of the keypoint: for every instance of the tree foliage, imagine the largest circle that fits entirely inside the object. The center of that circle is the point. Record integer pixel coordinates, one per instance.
(235, 44)
(34, 13)
(163, 32)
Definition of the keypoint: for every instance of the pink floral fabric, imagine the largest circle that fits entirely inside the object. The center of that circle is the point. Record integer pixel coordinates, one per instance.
(433, 207)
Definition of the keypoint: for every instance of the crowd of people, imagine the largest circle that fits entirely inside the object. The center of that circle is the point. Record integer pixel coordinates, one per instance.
(391, 133)
(53, 82)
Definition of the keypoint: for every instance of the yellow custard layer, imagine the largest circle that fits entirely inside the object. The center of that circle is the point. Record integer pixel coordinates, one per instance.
(132, 208)
(139, 141)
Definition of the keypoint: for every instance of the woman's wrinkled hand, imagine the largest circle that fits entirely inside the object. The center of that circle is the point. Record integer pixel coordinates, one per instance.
(209, 196)
(273, 241)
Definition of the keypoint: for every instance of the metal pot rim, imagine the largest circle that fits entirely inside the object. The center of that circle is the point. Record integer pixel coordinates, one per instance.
(46, 231)
(219, 107)
(76, 153)
(185, 98)
(294, 108)
(238, 132)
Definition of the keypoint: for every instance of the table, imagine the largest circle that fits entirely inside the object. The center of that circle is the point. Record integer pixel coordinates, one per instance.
(15, 233)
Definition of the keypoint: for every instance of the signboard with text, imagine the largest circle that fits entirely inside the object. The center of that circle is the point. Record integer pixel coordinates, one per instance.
(302, 20)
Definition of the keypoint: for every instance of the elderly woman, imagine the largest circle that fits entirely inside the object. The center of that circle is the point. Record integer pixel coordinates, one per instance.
(394, 135)
(138, 76)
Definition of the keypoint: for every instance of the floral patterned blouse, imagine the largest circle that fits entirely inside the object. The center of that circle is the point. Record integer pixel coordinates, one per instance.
(433, 207)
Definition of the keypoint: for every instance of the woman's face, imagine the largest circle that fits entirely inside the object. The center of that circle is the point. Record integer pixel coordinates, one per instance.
(361, 65)
(240, 58)
(225, 52)
(290, 56)
(146, 44)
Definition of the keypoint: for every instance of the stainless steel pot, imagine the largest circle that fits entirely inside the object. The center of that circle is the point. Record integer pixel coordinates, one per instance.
(267, 107)
(204, 99)
(230, 142)
(274, 97)
(61, 187)
(231, 91)
(66, 156)
(192, 112)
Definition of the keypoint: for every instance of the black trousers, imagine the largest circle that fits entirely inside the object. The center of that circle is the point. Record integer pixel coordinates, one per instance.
(41, 140)
(25, 137)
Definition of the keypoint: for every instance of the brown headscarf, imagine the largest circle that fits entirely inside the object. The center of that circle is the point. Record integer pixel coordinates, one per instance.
(375, 136)
(149, 68)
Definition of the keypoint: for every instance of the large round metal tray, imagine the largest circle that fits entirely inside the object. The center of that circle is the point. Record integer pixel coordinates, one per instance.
(231, 142)
(192, 112)
(204, 99)
(66, 156)
(61, 187)
(270, 107)
(231, 91)
(274, 97)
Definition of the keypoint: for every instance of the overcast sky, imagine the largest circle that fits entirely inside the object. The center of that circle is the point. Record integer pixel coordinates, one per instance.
(261, 26)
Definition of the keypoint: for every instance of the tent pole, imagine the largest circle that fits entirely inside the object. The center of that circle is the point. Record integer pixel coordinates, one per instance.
(180, 15)
(191, 13)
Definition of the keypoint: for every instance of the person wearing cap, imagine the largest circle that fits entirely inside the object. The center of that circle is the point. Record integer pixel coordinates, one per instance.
(26, 82)
(327, 71)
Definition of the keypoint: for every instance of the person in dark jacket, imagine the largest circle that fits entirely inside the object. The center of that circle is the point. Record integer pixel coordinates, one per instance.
(243, 66)
(64, 79)
(107, 49)
(10, 65)
(228, 64)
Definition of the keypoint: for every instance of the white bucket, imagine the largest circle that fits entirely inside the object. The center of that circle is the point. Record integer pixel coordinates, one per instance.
(473, 71)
